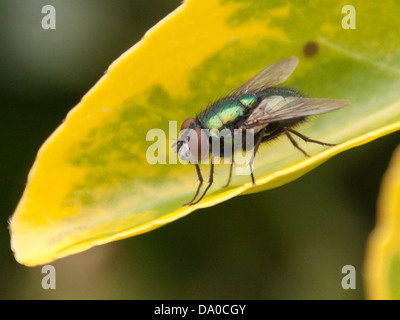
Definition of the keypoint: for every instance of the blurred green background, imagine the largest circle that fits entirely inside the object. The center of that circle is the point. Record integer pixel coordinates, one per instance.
(286, 243)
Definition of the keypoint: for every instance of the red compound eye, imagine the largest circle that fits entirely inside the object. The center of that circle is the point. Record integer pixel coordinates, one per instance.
(198, 143)
(186, 124)
(196, 139)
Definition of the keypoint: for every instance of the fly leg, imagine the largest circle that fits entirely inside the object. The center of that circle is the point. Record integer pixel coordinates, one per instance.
(232, 160)
(272, 135)
(262, 138)
(259, 139)
(230, 175)
(303, 137)
(294, 143)
(198, 187)
(307, 139)
(210, 182)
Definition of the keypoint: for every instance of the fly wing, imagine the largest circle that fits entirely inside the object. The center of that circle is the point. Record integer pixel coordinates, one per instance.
(271, 76)
(266, 112)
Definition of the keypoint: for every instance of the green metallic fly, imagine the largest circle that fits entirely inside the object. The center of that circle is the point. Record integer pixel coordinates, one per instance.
(257, 107)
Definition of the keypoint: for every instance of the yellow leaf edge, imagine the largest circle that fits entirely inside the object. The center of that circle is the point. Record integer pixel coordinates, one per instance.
(274, 178)
(60, 128)
(384, 241)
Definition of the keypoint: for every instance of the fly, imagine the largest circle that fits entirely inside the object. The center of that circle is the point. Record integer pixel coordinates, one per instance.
(257, 105)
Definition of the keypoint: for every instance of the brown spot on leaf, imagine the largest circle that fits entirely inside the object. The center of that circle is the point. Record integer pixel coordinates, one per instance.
(310, 49)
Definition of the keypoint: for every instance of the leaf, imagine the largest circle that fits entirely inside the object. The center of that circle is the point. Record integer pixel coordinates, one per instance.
(91, 182)
(382, 274)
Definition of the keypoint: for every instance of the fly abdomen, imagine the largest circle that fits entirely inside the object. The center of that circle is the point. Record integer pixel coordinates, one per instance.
(248, 99)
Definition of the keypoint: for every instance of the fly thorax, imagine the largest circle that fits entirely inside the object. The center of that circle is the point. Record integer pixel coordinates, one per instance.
(221, 113)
